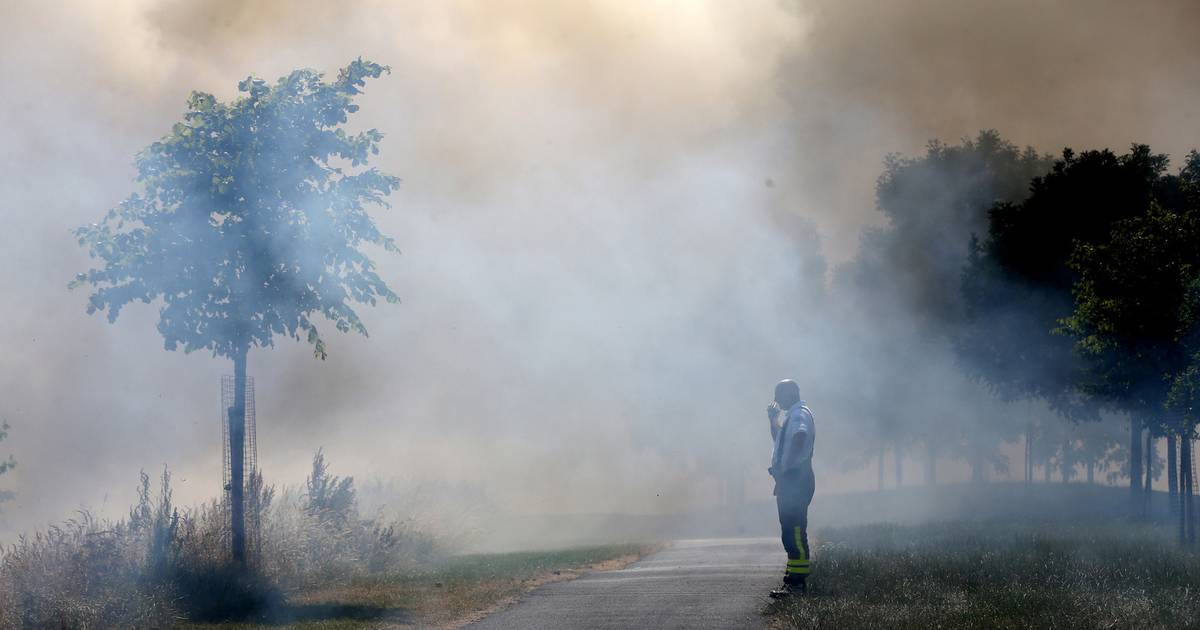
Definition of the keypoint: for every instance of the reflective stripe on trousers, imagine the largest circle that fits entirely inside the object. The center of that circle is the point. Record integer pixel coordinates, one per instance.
(800, 565)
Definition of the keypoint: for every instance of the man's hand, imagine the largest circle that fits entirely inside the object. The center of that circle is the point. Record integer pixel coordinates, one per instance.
(772, 414)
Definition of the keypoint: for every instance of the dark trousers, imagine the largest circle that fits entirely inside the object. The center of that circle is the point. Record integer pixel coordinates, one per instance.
(793, 492)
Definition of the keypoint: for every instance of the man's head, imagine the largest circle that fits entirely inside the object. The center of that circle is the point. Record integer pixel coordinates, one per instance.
(787, 393)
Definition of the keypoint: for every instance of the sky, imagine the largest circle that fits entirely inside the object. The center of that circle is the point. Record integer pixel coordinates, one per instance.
(612, 217)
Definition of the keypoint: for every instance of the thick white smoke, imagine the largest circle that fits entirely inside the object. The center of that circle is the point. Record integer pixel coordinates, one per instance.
(614, 219)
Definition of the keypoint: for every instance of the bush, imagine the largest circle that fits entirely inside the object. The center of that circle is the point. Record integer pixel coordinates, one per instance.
(160, 565)
(85, 573)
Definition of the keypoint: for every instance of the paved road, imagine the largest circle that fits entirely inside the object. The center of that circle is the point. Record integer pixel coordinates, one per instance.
(714, 583)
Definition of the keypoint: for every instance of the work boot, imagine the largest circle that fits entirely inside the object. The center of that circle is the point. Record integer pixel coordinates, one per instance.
(781, 592)
(790, 587)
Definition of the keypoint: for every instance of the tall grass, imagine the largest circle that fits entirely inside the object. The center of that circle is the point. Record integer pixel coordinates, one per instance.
(161, 565)
(1002, 574)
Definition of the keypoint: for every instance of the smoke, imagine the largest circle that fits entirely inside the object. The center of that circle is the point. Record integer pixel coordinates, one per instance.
(617, 221)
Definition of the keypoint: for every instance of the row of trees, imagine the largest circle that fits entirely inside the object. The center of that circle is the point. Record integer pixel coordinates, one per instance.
(1073, 282)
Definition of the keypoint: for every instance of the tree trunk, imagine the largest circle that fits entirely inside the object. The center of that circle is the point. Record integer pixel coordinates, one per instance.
(1064, 466)
(881, 468)
(237, 459)
(930, 463)
(1187, 523)
(1046, 467)
(1091, 471)
(979, 472)
(1190, 471)
(1149, 456)
(1172, 472)
(1135, 463)
(1029, 450)
(899, 465)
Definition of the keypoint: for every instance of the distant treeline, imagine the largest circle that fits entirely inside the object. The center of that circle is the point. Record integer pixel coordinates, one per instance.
(1073, 283)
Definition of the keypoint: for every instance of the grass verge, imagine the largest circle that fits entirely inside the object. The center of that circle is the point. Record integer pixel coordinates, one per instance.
(448, 594)
(996, 575)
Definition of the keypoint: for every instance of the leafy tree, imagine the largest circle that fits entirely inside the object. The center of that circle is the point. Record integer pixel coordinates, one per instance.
(1183, 397)
(1009, 344)
(249, 223)
(1129, 302)
(1130, 317)
(1019, 282)
(1009, 340)
(933, 203)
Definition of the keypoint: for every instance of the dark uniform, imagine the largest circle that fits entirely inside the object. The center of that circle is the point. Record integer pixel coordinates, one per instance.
(793, 492)
(794, 488)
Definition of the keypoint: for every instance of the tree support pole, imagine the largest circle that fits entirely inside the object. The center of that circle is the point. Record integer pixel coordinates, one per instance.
(237, 460)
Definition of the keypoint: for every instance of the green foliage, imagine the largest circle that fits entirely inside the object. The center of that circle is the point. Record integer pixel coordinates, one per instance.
(1018, 282)
(1184, 396)
(250, 219)
(1128, 304)
(1132, 310)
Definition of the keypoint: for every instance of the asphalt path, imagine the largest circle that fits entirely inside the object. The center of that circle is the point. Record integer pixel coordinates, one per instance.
(711, 583)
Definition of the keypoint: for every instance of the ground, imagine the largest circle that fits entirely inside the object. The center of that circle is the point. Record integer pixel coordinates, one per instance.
(447, 595)
(1044, 557)
(997, 575)
(713, 583)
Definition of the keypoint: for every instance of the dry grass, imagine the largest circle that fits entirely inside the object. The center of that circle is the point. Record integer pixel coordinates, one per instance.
(445, 594)
(82, 574)
(161, 565)
(997, 575)
(321, 565)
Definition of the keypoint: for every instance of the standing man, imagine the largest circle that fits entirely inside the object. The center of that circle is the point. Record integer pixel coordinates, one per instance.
(794, 433)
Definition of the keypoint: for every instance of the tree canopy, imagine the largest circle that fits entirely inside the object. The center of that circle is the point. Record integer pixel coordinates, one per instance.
(906, 275)
(250, 219)
(1081, 293)
(1018, 283)
(1132, 314)
(934, 203)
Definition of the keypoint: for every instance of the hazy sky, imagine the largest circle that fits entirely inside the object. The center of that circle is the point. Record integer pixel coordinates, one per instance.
(599, 272)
